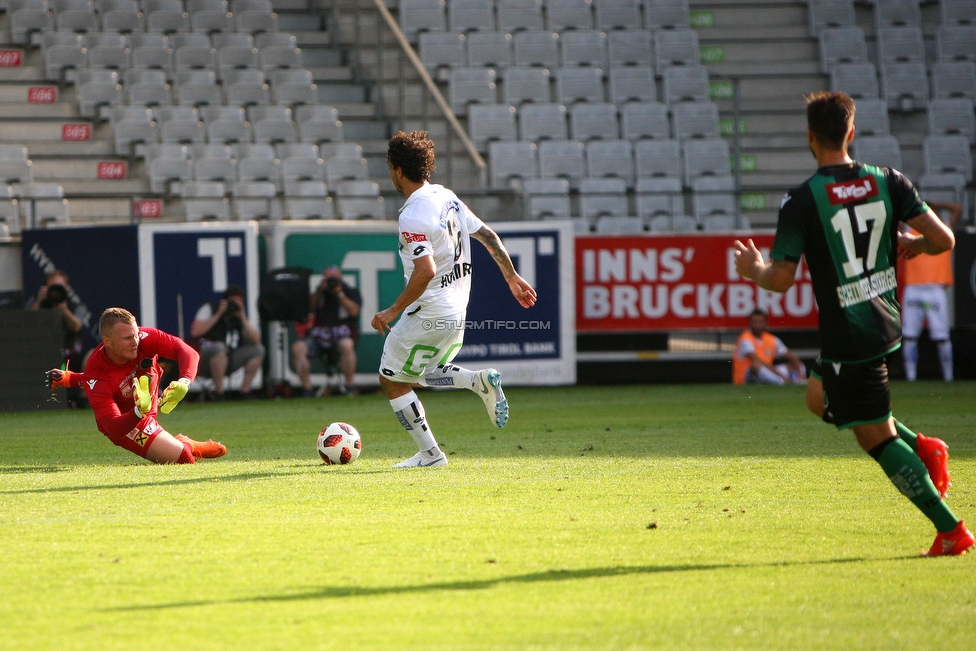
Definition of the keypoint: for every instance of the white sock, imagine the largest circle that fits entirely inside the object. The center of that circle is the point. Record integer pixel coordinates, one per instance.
(945, 358)
(449, 376)
(410, 411)
(909, 352)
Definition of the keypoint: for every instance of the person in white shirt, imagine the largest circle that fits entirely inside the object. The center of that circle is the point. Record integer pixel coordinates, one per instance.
(435, 248)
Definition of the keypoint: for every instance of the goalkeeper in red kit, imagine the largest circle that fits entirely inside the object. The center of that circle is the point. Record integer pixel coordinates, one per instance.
(121, 380)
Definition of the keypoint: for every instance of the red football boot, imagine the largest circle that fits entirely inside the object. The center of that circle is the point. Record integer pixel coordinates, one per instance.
(934, 453)
(953, 543)
(203, 449)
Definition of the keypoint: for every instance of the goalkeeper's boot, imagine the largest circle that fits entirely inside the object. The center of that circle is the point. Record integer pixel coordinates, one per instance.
(934, 453)
(488, 385)
(953, 543)
(203, 449)
(424, 460)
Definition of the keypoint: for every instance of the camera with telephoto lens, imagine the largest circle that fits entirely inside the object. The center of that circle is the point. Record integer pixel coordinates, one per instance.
(331, 283)
(56, 294)
(233, 308)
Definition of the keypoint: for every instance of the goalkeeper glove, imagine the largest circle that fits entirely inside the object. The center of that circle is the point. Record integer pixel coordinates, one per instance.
(141, 395)
(175, 392)
(58, 378)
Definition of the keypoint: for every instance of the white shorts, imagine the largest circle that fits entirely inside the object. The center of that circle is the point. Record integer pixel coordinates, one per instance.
(417, 342)
(921, 303)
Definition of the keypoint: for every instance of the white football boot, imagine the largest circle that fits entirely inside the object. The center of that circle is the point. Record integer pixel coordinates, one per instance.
(422, 460)
(488, 385)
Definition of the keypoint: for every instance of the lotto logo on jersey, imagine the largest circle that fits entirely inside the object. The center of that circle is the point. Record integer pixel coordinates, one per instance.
(848, 191)
(414, 237)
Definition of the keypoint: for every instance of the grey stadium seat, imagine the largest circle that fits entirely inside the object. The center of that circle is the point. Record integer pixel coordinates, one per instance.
(152, 57)
(295, 170)
(441, 51)
(210, 22)
(905, 86)
(954, 79)
(149, 95)
(897, 13)
(579, 85)
(562, 159)
(602, 198)
(871, 118)
(279, 56)
(695, 120)
(164, 173)
(569, 14)
(842, 45)
(204, 200)
(360, 200)
(546, 198)
(658, 159)
(526, 85)
(24, 23)
(877, 150)
(422, 15)
(632, 47)
(471, 86)
(198, 94)
(223, 170)
(955, 43)
(491, 122)
(594, 120)
(295, 94)
(672, 224)
(341, 168)
(229, 132)
(610, 158)
(584, 48)
(958, 12)
(543, 122)
(309, 200)
(471, 15)
(640, 120)
(632, 84)
(859, 80)
(610, 225)
(260, 170)
(948, 155)
(509, 163)
(666, 14)
(617, 14)
(92, 96)
(275, 131)
(536, 48)
(678, 47)
(705, 158)
(517, 15)
(713, 195)
(659, 196)
(255, 200)
(948, 117)
(900, 45)
(254, 21)
(317, 131)
(490, 49)
(686, 84)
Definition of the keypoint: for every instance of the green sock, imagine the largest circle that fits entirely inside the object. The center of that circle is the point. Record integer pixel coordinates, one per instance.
(906, 435)
(907, 472)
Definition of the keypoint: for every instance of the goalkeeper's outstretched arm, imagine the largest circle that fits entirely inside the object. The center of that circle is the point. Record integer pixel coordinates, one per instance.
(521, 290)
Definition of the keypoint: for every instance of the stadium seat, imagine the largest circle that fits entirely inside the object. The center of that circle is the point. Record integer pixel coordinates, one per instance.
(10, 221)
(309, 200)
(859, 80)
(542, 122)
(296, 170)
(594, 120)
(123, 22)
(252, 21)
(946, 188)
(295, 94)
(948, 155)
(490, 49)
(617, 14)
(871, 118)
(108, 57)
(441, 51)
(165, 173)
(568, 14)
(198, 94)
(236, 57)
(952, 79)
(360, 200)
(602, 198)
(77, 21)
(340, 169)
(94, 95)
(579, 85)
(225, 113)
(640, 120)
(705, 158)
(325, 150)
(318, 131)
(200, 150)
(26, 22)
(632, 47)
(231, 39)
(610, 158)
(842, 45)
(584, 48)
(16, 171)
(877, 150)
(223, 170)
(905, 86)
(713, 195)
(228, 132)
(43, 204)
(245, 75)
(900, 44)
(194, 57)
(526, 85)
(720, 223)
(273, 132)
(315, 113)
(471, 86)
(666, 14)
(897, 13)
(281, 39)
(422, 15)
(949, 117)
(957, 12)
(260, 170)
(289, 76)
(562, 159)
(211, 22)
(509, 163)
(131, 134)
(658, 159)
(695, 120)
(659, 196)
(632, 84)
(546, 198)
(243, 93)
(471, 16)
(204, 201)
(672, 224)
(536, 48)
(619, 225)
(182, 132)
(258, 150)
(686, 84)
(677, 47)
(279, 56)
(518, 15)
(255, 200)
(60, 58)
(152, 57)
(167, 22)
(955, 43)
(491, 122)
(257, 113)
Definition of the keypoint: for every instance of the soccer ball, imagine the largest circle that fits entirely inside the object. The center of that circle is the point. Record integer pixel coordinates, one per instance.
(339, 443)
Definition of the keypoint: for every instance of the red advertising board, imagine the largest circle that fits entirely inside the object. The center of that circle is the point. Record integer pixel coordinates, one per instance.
(685, 282)
(42, 95)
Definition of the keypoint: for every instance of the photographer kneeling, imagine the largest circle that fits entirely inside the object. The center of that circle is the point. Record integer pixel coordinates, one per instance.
(227, 341)
(335, 306)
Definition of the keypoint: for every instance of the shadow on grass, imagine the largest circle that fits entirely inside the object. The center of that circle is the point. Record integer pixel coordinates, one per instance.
(23, 470)
(339, 592)
(163, 482)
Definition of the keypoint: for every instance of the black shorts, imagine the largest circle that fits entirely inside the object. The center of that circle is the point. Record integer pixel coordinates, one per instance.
(855, 393)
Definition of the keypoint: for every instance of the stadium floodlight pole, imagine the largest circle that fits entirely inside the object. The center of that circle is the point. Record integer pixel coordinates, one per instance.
(431, 86)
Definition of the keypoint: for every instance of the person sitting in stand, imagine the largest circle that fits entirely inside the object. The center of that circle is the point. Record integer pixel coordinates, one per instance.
(335, 308)
(227, 341)
(756, 354)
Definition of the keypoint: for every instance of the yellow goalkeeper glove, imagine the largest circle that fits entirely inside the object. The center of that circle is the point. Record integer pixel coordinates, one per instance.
(141, 395)
(175, 392)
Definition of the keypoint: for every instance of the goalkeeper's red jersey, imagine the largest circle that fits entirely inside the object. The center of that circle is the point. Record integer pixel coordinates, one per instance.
(109, 385)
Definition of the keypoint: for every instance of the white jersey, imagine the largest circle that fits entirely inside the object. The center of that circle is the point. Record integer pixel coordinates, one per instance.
(433, 221)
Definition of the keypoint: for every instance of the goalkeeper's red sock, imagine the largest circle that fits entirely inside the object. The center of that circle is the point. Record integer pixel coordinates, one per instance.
(187, 455)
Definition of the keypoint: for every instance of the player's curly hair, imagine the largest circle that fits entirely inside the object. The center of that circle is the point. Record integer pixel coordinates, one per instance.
(111, 316)
(412, 152)
(830, 115)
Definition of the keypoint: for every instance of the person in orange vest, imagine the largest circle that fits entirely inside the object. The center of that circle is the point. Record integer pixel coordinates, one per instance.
(756, 354)
(926, 279)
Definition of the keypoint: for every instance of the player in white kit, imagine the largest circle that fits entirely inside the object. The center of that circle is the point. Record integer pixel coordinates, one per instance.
(435, 248)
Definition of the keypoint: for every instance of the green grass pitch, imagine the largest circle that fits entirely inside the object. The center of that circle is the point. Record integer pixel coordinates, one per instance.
(645, 517)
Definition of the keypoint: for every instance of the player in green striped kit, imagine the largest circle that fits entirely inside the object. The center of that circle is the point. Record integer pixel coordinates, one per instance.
(844, 219)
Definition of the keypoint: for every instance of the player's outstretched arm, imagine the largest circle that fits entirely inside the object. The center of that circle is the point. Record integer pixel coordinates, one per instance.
(58, 378)
(521, 290)
(777, 275)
